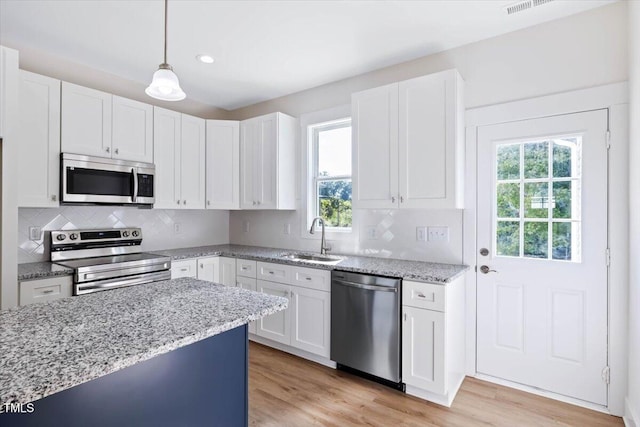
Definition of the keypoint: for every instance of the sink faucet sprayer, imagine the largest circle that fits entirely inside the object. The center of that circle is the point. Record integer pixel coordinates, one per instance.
(323, 244)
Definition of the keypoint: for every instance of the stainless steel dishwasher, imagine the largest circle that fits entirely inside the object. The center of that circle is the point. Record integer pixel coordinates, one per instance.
(365, 326)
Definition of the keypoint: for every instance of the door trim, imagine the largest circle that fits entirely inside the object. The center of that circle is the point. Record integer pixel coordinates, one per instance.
(614, 98)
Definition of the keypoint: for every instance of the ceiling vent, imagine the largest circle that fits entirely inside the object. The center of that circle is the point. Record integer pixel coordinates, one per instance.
(524, 5)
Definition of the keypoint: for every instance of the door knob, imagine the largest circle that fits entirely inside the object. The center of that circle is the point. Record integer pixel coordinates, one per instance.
(485, 269)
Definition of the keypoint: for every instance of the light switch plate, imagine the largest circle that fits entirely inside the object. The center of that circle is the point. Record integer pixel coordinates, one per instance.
(371, 232)
(177, 228)
(287, 229)
(437, 234)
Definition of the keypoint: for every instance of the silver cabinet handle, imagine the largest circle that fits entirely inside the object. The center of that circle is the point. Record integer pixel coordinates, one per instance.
(401, 199)
(107, 149)
(367, 287)
(393, 199)
(258, 202)
(48, 291)
(244, 268)
(201, 265)
(254, 203)
(405, 317)
(54, 198)
(177, 202)
(117, 151)
(184, 269)
(307, 278)
(271, 272)
(208, 202)
(184, 202)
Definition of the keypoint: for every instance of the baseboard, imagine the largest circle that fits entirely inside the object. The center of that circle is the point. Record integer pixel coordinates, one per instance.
(440, 399)
(630, 414)
(295, 351)
(544, 393)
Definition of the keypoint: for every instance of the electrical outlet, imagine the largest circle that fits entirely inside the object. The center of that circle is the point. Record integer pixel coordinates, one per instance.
(35, 233)
(177, 228)
(421, 234)
(372, 232)
(245, 226)
(287, 229)
(438, 234)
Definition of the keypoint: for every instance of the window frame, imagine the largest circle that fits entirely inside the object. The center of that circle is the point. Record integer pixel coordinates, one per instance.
(313, 150)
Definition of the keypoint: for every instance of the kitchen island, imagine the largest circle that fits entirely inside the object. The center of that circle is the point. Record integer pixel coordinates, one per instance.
(166, 353)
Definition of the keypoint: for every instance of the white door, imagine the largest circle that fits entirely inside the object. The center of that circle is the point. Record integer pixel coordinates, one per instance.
(311, 320)
(86, 121)
(192, 162)
(374, 128)
(132, 130)
(166, 155)
(277, 326)
(542, 217)
(223, 164)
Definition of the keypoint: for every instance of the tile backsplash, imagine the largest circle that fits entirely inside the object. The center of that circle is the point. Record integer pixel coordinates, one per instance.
(195, 227)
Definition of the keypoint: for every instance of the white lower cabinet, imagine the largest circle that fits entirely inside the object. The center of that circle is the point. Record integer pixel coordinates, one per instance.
(277, 326)
(208, 268)
(310, 320)
(227, 271)
(433, 339)
(42, 290)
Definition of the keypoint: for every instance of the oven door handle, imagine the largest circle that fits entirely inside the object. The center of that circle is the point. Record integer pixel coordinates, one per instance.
(135, 185)
(367, 287)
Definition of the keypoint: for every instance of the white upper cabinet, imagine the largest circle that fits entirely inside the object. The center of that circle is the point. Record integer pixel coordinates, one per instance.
(86, 121)
(166, 154)
(223, 164)
(132, 130)
(99, 124)
(408, 144)
(179, 156)
(192, 162)
(267, 162)
(38, 141)
(8, 87)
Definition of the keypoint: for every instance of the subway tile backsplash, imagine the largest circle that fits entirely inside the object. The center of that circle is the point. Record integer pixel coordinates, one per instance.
(194, 227)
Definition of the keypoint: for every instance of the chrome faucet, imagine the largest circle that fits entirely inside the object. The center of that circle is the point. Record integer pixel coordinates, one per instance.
(323, 244)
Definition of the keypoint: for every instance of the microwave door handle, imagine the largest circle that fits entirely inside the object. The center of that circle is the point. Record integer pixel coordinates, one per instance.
(135, 185)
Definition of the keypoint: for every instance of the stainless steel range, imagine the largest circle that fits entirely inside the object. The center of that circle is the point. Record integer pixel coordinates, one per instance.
(107, 259)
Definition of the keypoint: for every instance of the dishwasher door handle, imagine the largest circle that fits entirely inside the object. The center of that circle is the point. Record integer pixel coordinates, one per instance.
(367, 287)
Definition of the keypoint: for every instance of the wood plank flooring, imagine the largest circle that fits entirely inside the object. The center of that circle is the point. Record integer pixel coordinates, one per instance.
(288, 391)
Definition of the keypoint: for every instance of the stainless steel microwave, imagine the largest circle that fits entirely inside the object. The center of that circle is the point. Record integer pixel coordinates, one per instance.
(97, 180)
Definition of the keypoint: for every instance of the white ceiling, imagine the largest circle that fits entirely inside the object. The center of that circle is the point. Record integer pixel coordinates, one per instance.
(263, 49)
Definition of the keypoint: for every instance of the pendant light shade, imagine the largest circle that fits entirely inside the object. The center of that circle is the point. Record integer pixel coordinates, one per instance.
(165, 85)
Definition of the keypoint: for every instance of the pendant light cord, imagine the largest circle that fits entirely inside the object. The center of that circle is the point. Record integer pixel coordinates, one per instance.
(166, 2)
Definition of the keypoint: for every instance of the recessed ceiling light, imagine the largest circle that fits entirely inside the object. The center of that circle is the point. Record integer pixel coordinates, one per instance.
(205, 59)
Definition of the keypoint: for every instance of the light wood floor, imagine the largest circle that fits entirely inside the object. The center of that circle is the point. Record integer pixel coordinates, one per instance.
(288, 391)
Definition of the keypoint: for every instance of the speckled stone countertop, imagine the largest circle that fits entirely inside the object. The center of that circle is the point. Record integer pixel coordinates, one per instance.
(40, 270)
(411, 270)
(49, 347)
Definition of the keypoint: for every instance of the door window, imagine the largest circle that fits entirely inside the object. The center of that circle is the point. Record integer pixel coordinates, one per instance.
(537, 198)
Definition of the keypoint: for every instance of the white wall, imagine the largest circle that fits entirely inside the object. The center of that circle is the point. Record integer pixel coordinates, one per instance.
(197, 227)
(558, 56)
(632, 410)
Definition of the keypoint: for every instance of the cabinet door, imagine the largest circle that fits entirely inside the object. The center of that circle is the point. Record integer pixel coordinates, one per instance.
(192, 162)
(428, 141)
(311, 320)
(166, 154)
(209, 269)
(223, 164)
(266, 153)
(86, 121)
(423, 349)
(250, 284)
(39, 141)
(277, 326)
(374, 121)
(132, 130)
(186, 268)
(227, 271)
(249, 136)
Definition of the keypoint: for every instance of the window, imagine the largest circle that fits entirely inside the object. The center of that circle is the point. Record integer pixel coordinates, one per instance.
(330, 172)
(537, 198)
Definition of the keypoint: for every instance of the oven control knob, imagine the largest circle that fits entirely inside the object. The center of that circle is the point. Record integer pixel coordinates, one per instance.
(61, 237)
(125, 234)
(73, 236)
(135, 233)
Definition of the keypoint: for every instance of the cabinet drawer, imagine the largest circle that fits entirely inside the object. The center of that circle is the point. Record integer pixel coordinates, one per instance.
(186, 268)
(278, 273)
(45, 290)
(423, 295)
(246, 268)
(312, 278)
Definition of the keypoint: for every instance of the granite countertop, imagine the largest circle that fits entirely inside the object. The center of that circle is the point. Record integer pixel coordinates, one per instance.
(430, 272)
(49, 347)
(40, 270)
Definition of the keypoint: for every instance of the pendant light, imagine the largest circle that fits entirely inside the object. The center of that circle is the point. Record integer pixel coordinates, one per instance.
(165, 85)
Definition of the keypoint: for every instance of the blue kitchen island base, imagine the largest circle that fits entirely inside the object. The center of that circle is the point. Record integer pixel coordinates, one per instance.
(201, 384)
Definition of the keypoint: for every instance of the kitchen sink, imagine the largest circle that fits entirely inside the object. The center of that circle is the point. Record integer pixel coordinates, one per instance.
(319, 258)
